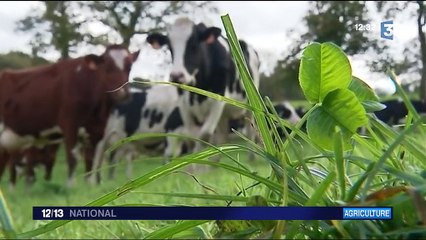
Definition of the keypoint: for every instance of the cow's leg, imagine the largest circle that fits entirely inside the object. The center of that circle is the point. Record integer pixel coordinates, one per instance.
(29, 156)
(112, 161)
(12, 168)
(50, 161)
(4, 159)
(94, 153)
(71, 153)
(251, 133)
(97, 159)
(174, 145)
(221, 135)
(130, 156)
(93, 150)
(89, 153)
(211, 123)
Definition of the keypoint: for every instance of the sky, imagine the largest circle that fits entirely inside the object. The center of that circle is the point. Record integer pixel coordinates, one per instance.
(263, 24)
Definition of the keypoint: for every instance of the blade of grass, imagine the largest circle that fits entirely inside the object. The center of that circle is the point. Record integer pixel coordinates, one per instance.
(138, 182)
(340, 165)
(314, 200)
(6, 218)
(253, 95)
(405, 98)
(140, 136)
(270, 184)
(383, 158)
(168, 232)
(205, 196)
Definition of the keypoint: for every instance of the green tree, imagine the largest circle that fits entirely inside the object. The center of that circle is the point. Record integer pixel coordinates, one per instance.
(414, 60)
(128, 18)
(56, 24)
(325, 21)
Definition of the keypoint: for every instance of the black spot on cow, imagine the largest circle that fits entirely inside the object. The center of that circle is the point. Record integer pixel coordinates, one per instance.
(396, 110)
(184, 149)
(155, 145)
(132, 111)
(146, 113)
(191, 98)
(282, 111)
(300, 111)
(180, 91)
(155, 118)
(237, 124)
(238, 87)
(174, 121)
(244, 48)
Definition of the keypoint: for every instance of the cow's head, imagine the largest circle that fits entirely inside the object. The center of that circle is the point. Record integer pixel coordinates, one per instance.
(187, 43)
(113, 67)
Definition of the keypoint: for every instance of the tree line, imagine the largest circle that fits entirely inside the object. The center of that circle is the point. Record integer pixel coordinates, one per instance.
(64, 26)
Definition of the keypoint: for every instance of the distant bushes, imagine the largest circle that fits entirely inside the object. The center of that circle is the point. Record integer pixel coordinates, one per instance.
(19, 60)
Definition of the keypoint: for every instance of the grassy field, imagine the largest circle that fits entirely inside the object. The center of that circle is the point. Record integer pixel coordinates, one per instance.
(55, 194)
(212, 182)
(331, 165)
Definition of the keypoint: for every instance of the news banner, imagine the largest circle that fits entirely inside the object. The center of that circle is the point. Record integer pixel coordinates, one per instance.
(211, 213)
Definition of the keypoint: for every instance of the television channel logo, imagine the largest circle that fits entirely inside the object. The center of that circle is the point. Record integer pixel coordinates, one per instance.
(386, 30)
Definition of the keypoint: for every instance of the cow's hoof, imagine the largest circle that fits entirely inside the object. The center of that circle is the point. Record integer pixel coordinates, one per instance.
(70, 183)
(166, 160)
(93, 179)
(111, 176)
(30, 180)
(98, 179)
(11, 187)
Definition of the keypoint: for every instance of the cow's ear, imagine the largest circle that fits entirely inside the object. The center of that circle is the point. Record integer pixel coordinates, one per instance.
(134, 56)
(93, 61)
(157, 40)
(211, 34)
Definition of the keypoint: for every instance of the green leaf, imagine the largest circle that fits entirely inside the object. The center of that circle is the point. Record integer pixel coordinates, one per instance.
(366, 95)
(362, 91)
(344, 107)
(372, 106)
(340, 108)
(323, 68)
(340, 162)
(182, 227)
(320, 128)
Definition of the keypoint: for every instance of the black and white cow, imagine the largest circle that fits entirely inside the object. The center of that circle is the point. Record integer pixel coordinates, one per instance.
(396, 111)
(201, 58)
(150, 110)
(286, 111)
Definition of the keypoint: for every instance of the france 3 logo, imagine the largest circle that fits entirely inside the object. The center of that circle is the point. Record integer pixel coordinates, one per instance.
(386, 30)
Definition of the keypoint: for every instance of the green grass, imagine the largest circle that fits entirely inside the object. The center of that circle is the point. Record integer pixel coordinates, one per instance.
(55, 194)
(386, 167)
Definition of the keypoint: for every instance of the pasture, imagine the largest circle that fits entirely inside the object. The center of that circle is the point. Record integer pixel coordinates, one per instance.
(54, 193)
(330, 164)
(213, 187)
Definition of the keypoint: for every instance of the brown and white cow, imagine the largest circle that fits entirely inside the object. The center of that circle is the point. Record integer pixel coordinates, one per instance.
(57, 101)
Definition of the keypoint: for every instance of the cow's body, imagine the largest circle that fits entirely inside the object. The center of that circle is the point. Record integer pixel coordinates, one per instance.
(286, 111)
(151, 110)
(396, 111)
(56, 101)
(201, 58)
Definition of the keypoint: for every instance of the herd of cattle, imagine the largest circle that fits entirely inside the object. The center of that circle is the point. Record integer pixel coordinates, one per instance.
(87, 104)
